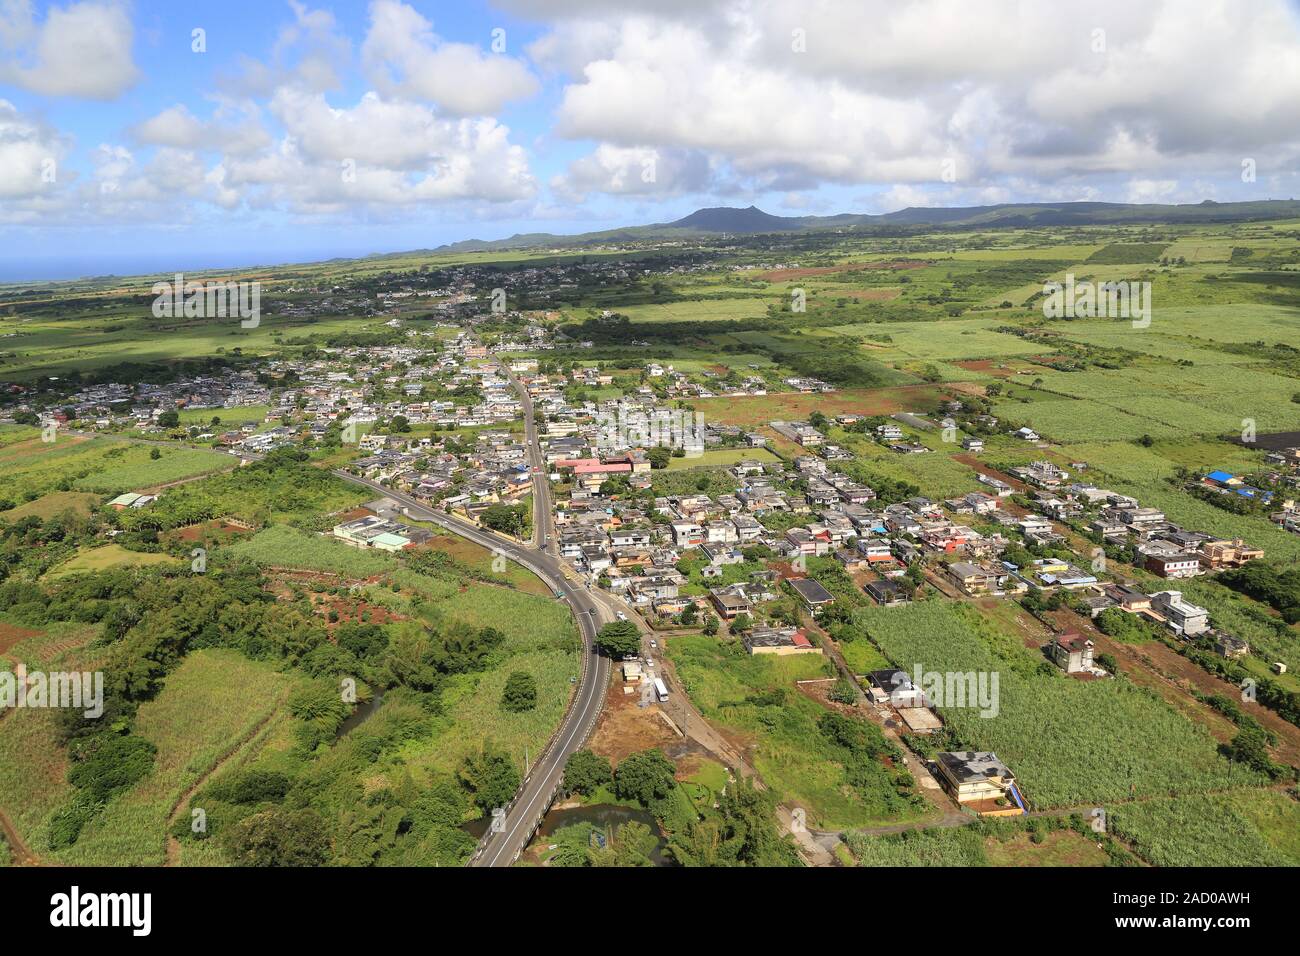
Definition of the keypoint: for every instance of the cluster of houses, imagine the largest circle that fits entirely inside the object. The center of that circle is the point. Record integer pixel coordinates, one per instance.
(115, 405)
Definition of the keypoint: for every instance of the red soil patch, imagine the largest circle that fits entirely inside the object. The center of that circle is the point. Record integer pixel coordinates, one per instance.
(797, 406)
(209, 529)
(625, 728)
(973, 462)
(11, 635)
(781, 275)
(350, 611)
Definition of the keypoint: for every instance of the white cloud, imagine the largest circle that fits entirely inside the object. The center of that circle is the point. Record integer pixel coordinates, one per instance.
(81, 50)
(404, 57)
(881, 92)
(30, 156)
(634, 171)
(174, 126)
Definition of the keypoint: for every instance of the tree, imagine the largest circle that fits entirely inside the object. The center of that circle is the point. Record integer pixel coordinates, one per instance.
(645, 777)
(741, 623)
(586, 772)
(281, 838)
(154, 454)
(520, 693)
(169, 419)
(619, 638)
(659, 457)
(1250, 747)
(490, 778)
(504, 518)
(689, 614)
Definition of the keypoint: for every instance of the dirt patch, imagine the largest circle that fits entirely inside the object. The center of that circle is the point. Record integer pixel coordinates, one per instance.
(783, 275)
(22, 855)
(209, 530)
(11, 635)
(349, 611)
(972, 461)
(818, 692)
(866, 295)
(626, 728)
(796, 406)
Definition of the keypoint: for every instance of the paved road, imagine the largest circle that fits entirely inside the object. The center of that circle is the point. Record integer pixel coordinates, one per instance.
(530, 804)
(525, 812)
(543, 512)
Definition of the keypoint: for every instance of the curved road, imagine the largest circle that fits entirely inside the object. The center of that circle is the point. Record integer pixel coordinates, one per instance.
(524, 813)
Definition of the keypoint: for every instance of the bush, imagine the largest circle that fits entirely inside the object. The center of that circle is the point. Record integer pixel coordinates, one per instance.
(281, 838)
(520, 693)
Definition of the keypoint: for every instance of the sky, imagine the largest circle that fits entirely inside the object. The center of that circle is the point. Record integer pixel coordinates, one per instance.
(152, 135)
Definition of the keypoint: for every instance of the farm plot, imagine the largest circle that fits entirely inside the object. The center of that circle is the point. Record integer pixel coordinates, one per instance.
(285, 547)
(212, 704)
(1239, 829)
(547, 649)
(135, 468)
(754, 699)
(1123, 742)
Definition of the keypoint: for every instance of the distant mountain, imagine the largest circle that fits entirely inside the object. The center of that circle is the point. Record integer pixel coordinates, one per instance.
(729, 219)
(734, 221)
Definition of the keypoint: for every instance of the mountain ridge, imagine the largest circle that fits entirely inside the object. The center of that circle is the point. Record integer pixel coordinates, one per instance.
(750, 220)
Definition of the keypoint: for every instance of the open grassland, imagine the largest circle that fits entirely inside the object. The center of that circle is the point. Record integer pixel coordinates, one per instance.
(701, 310)
(227, 417)
(55, 503)
(48, 345)
(482, 561)
(31, 468)
(109, 556)
(723, 458)
(797, 406)
(1068, 742)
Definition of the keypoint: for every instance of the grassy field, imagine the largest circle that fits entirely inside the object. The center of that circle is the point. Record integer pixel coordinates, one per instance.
(55, 503)
(722, 458)
(1240, 829)
(285, 547)
(796, 406)
(1068, 742)
(755, 697)
(214, 704)
(109, 556)
(32, 468)
(971, 846)
(33, 766)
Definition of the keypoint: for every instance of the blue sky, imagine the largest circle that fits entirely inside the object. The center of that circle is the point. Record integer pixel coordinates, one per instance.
(307, 129)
